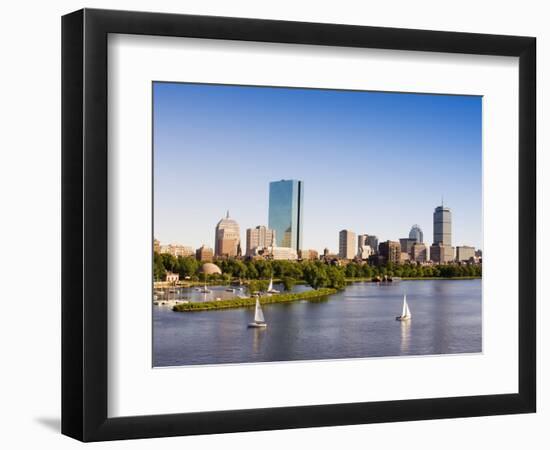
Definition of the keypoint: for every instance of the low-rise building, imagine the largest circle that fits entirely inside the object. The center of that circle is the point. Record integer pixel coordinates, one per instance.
(441, 254)
(172, 277)
(282, 253)
(308, 254)
(390, 251)
(205, 254)
(406, 245)
(419, 252)
(465, 253)
(176, 250)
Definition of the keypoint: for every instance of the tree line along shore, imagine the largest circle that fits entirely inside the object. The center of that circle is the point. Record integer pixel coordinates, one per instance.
(315, 273)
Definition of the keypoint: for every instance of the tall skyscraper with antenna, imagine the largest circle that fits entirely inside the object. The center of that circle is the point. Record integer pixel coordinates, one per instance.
(442, 250)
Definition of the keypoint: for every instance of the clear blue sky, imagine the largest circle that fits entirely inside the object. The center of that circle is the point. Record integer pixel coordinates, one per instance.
(372, 162)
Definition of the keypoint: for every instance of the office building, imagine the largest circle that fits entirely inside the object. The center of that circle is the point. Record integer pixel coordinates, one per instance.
(390, 251)
(406, 245)
(364, 250)
(372, 240)
(227, 237)
(308, 254)
(442, 226)
(205, 254)
(176, 250)
(259, 238)
(362, 240)
(441, 254)
(465, 253)
(419, 252)
(286, 203)
(347, 244)
(442, 251)
(281, 253)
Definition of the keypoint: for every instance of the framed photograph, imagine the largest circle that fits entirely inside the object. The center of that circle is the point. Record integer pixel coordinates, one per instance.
(273, 224)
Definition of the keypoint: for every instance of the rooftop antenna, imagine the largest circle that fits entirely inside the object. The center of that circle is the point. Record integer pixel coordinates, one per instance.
(442, 201)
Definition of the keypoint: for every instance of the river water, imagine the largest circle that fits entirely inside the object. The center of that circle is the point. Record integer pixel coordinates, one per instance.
(354, 323)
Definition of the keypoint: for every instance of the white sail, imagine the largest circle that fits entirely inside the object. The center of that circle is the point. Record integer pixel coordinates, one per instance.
(259, 315)
(406, 311)
(405, 307)
(270, 287)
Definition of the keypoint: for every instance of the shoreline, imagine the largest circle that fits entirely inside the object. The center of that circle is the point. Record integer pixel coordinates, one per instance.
(370, 280)
(251, 301)
(190, 284)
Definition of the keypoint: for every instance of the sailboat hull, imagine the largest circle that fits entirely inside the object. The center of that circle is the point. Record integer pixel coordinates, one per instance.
(403, 318)
(257, 325)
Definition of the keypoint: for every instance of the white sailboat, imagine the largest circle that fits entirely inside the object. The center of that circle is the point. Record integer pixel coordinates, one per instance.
(205, 290)
(259, 321)
(270, 289)
(406, 312)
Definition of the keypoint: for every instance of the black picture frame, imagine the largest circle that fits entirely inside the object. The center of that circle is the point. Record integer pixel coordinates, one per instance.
(84, 224)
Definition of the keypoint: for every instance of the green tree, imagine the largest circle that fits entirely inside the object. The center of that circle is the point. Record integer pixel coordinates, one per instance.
(352, 270)
(315, 274)
(288, 283)
(159, 272)
(187, 266)
(169, 261)
(258, 285)
(263, 268)
(336, 277)
(251, 271)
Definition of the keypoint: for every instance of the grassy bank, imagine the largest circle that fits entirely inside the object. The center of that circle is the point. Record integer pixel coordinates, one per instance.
(251, 301)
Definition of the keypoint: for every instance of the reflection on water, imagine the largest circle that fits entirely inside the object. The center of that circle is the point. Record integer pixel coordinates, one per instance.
(257, 334)
(357, 322)
(405, 336)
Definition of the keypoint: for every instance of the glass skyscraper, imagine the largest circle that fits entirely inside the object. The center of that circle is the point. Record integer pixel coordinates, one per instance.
(286, 204)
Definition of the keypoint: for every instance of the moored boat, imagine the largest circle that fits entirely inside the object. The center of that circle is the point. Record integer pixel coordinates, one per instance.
(270, 289)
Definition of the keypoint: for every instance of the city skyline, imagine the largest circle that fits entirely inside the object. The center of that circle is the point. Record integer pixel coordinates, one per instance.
(262, 236)
(230, 142)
